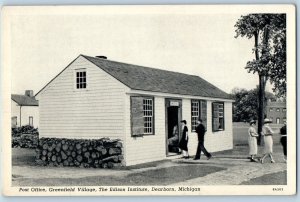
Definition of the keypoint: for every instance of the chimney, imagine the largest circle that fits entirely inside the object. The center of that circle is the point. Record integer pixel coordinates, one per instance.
(29, 93)
(101, 57)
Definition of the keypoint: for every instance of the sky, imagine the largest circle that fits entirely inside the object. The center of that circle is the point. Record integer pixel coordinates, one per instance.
(197, 43)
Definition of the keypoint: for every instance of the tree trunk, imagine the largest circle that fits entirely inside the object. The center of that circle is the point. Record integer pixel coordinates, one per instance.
(260, 112)
(261, 99)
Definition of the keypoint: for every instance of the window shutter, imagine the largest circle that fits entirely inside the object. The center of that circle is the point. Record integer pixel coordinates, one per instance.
(203, 112)
(137, 119)
(215, 116)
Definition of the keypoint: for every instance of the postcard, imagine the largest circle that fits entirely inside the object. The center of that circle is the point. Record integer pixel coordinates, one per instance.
(149, 100)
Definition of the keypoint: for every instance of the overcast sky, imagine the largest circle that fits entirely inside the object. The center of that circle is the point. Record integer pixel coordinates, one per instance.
(192, 43)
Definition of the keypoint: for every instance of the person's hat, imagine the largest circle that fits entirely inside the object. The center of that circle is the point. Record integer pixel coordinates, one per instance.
(267, 121)
(252, 121)
(183, 121)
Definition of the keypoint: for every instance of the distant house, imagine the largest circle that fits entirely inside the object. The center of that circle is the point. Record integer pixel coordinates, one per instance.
(276, 111)
(24, 110)
(94, 97)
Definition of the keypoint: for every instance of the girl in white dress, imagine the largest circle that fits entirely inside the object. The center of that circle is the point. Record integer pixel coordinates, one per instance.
(252, 141)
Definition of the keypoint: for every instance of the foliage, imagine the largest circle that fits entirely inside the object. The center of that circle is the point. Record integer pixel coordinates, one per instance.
(245, 107)
(269, 31)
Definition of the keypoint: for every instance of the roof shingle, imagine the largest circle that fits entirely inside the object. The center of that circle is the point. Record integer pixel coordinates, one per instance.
(157, 80)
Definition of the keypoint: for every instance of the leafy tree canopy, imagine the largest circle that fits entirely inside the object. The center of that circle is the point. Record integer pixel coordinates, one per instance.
(269, 31)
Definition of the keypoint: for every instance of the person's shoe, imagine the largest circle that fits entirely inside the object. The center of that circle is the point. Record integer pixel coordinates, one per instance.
(252, 160)
(196, 158)
(261, 161)
(272, 161)
(209, 157)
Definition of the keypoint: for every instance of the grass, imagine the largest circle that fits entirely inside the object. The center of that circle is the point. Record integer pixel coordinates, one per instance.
(279, 178)
(160, 176)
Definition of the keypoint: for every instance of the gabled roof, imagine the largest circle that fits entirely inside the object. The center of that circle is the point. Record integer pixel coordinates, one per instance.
(24, 100)
(157, 80)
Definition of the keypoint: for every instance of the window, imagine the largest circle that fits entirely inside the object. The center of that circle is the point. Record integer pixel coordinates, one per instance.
(81, 81)
(218, 116)
(14, 121)
(195, 113)
(31, 121)
(277, 120)
(278, 109)
(148, 115)
(284, 119)
(284, 109)
(271, 109)
(198, 110)
(142, 115)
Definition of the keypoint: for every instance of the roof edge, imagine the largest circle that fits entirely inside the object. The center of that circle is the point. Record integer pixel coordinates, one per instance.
(57, 75)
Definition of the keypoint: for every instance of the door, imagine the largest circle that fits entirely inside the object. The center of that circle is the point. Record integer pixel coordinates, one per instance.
(173, 129)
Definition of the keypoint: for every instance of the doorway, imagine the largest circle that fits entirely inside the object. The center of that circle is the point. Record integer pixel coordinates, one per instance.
(173, 129)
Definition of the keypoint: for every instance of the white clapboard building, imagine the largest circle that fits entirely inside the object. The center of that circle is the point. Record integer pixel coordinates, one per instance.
(24, 110)
(94, 97)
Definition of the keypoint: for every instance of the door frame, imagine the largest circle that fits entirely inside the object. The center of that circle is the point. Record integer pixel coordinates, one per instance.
(168, 103)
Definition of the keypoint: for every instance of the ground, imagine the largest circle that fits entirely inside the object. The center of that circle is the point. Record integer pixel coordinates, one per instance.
(225, 168)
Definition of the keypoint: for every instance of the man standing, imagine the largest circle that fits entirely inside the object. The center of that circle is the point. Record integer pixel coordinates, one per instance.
(200, 130)
(283, 140)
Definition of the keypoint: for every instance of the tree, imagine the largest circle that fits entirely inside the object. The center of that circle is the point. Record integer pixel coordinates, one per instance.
(245, 106)
(269, 35)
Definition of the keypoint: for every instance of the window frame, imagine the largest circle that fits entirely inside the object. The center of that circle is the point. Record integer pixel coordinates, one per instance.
(223, 116)
(277, 109)
(86, 79)
(153, 116)
(194, 124)
(147, 116)
(30, 117)
(283, 109)
(271, 109)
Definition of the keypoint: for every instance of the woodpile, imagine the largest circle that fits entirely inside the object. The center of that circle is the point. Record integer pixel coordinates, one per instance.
(25, 137)
(97, 153)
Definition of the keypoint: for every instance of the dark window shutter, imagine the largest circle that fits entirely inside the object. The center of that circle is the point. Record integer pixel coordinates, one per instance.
(215, 116)
(203, 112)
(137, 119)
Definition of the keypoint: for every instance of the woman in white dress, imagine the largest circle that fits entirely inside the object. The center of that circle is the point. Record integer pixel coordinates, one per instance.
(252, 141)
(267, 133)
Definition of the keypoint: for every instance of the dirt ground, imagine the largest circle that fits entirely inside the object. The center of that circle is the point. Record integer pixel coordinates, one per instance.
(230, 167)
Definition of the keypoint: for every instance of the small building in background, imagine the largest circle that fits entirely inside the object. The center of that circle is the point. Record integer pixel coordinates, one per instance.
(24, 110)
(276, 111)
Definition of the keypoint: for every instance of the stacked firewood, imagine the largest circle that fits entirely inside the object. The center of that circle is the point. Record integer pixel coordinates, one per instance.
(97, 153)
(25, 137)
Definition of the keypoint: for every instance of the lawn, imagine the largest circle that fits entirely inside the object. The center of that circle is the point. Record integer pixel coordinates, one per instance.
(279, 178)
(159, 176)
(240, 133)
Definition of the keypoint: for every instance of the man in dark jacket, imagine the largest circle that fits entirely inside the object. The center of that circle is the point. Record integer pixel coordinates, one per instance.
(200, 130)
(283, 140)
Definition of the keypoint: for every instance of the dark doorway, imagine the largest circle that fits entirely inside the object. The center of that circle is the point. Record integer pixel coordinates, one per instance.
(173, 118)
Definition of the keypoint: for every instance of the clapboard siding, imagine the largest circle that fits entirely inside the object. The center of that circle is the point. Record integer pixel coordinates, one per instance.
(95, 112)
(149, 147)
(220, 140)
